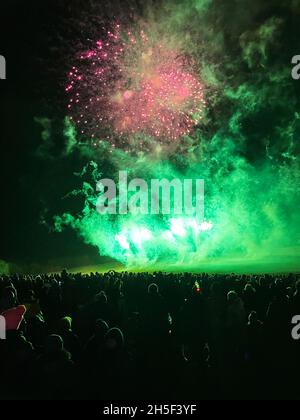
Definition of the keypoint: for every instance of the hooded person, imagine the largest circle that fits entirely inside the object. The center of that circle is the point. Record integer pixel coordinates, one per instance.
(70, 339)
(17, 353)
(54, 345)
(36, 328)
(115, 366)
(56, 368)
(236, 315)
(91, 366)
(8, 299)
(98, 308)
(254, 337)
(236, 322)
(114, 340)
(95, 344)
(154, 314)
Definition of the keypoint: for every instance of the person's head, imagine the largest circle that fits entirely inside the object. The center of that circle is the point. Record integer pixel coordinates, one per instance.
(101, 328)
(215, 289)
(153, 289)
(29, 296)
(289, 292)
(249, 289)
(232, 297)
(8, 299)
(101, 298)
(252, 319)
(54, 344)
(65, 324)
(114, 340)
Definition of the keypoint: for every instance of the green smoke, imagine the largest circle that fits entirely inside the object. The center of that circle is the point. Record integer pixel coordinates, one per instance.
(246, 150)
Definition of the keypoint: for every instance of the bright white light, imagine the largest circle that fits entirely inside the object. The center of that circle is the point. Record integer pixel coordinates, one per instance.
(168, 236)
(193, 224)
(122, 241)
(205, 226)
(140, 235)
(145, 234)
(177, 227)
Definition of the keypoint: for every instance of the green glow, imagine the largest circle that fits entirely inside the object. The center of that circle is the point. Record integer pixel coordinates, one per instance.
(122, 241)
(177, 227)
(246, 150)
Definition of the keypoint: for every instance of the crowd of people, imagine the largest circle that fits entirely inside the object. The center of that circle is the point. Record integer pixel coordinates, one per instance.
(143, 336)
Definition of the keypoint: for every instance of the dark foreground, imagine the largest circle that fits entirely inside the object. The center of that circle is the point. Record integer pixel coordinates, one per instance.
(149, 336)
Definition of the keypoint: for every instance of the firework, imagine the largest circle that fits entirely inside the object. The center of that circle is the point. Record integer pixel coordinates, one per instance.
(142, 90)
(129, 85)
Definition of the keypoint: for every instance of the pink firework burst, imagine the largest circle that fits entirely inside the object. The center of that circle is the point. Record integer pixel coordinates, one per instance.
(128, 85)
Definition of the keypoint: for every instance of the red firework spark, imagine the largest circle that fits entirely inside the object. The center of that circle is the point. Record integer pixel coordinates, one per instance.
(128, 85)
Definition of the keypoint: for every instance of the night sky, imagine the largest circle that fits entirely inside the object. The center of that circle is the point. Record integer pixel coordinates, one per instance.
(28, 41)
(35, 39)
